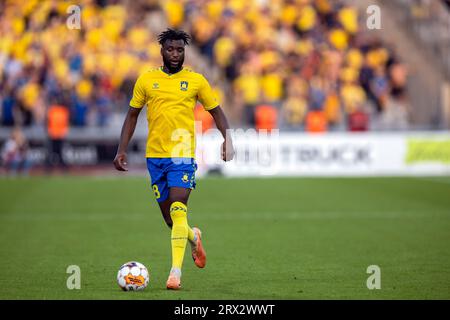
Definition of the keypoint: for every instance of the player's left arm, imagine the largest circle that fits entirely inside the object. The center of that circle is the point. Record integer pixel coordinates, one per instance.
(222, 124)
(210, 104)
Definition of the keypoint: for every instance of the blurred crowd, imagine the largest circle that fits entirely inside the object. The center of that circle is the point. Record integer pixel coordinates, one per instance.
(301, 64)
(430, 22)
(295, 64)
(91, 71)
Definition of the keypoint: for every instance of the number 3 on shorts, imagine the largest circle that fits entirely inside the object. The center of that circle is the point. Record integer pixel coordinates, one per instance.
(156, 191)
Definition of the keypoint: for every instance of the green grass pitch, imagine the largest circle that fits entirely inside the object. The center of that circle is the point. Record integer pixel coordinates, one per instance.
(279, 238)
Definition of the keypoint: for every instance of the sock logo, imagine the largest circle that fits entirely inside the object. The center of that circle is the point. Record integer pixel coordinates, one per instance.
(179, 238)
(178, 208)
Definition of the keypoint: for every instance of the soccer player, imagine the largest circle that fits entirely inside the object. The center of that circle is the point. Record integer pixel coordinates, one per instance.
(171, 93)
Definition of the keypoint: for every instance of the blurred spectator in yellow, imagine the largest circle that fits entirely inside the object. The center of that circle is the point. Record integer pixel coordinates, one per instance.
(295, 106)
(248, 86)
(174, 13)
(348, 17)
(332, 108)
(272, 87)
(294, 110)
(353, 95)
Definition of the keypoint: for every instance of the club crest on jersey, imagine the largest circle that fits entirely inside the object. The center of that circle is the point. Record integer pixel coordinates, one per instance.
(155, 85)
(184, 85)
(185, 178)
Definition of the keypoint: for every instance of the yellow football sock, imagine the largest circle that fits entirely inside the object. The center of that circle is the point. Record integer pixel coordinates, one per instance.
(191, 235)
(178, 212)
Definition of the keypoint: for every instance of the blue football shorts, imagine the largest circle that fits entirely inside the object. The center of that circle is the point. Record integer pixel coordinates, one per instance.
(171, 172)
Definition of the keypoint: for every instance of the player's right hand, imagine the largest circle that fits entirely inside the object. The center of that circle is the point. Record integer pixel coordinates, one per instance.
(120, 162)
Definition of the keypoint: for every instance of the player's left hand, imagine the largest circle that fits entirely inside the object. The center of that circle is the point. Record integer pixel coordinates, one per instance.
(227, 150)
(120, 162)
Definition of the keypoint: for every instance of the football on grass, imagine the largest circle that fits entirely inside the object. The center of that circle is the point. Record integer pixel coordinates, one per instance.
(132, 276)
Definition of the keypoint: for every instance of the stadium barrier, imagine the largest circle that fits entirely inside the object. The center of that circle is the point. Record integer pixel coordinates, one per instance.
(336, 154)
(275, 153)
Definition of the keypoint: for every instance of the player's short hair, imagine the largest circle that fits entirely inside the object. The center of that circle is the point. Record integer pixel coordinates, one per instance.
(173, 34)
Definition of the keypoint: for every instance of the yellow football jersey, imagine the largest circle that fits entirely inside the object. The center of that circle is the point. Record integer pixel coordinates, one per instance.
(170, 101)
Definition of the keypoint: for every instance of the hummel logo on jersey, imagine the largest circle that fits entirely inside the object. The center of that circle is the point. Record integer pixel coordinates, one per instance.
(155, 85)
(184, 85)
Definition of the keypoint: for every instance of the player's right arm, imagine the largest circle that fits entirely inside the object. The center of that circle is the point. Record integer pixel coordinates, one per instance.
(136, 104)
(129, 124)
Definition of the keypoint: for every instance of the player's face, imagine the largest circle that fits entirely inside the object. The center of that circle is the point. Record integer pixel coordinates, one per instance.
(173, 54)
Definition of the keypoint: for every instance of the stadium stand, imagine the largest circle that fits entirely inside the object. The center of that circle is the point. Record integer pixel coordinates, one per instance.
(262, 49)
(301, 57)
